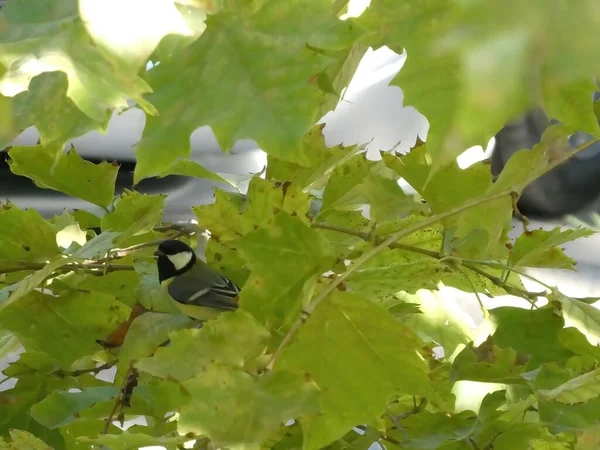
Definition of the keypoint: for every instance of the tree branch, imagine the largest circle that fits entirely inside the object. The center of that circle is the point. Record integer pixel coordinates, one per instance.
(392, 238)
(469, 264)
(92, 370)
(90, 266)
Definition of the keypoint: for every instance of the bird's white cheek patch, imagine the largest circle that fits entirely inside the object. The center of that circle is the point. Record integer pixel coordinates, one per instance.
(180, 260)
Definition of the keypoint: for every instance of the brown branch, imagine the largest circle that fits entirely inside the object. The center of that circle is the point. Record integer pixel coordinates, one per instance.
(123, 397)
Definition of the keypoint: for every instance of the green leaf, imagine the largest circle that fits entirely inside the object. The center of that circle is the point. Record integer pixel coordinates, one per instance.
(146, 334)
(237, 410)
(427, 430)
(493, 218)
(230, 340)
(149, 293)
(267, 117)
(25, 236)
(61, 408)
(31, 282)
(285, 259)
(55, 32)
(352, 345)
(8, 343)
(344, 178)
(565, 417)
(441, 321)
(22, 440)
(189, 168)
(222, 218)
(343, 243)
(526, 436)
(267, 198)
(46, 106)
(68, 172)
(446, 44)
(30, 362)
(584, 316)
(575, 340)
(539, 248)
(40, 327)
(569, 101)
(134, 213)
(86, 219)
(120, 284)
(579, 389)
(98, 246)
(395, 270)
(166, 18)
(128, 441)
(488, 364)
(532, 332)
(94, 313)
(323, 160)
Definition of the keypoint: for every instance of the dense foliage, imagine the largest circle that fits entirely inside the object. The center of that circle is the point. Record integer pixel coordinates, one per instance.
(333, 344)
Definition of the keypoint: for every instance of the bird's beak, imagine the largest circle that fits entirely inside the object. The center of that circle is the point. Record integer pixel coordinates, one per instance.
(158, 253)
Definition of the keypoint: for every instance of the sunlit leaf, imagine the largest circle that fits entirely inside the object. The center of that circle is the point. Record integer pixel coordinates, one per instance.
(539, 248)
(46, 106)
(50, 168)
(349, 344)
(55, 33)
(23, 440)
(267, 117)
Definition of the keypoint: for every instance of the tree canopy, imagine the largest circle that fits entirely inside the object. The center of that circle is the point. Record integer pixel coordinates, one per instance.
(333, 344)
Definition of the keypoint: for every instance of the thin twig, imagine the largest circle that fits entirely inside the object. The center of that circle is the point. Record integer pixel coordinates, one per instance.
(120, 252)
(326, 226)
(368, 255)
(117, 402)
(469, 264)
(92, 370)
(90, 266)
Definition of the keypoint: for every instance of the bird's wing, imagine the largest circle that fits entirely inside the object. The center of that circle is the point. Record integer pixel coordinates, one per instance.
(203, 286)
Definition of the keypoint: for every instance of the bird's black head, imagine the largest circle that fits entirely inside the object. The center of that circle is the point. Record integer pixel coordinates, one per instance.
(174, 258)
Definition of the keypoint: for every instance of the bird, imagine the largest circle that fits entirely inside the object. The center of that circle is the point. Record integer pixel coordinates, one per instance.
(197, 289)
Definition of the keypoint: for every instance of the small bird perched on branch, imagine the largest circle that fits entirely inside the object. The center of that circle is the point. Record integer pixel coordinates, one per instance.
(199, 291)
